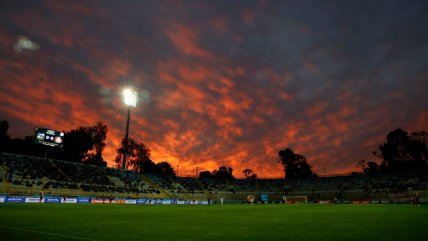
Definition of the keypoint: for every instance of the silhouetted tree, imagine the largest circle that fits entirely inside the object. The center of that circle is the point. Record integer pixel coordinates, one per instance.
(130, 153)
(4, 128)
(98, 134)
(85, 144)
(142, 163)
(77, 144)
(249, 174)
(372, 169)
(25, 147)
(206, 174)
(138, 160)
(4, 138)
(295, 165)
(402, 153)
(421, 136)
(362, 164)
(419, 154)
(368, 168)
(165, 169)
(224, 173)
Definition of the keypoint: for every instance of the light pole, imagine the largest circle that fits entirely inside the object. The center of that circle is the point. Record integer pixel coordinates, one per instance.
(130, 99)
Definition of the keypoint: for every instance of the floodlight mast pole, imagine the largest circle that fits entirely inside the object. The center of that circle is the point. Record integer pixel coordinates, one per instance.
(126, 139)
(130, 99)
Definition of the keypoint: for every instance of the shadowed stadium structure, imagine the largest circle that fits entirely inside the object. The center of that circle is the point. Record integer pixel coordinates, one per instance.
(22, 175)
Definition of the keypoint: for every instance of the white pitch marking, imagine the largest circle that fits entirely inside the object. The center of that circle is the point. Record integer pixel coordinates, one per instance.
(46, 233)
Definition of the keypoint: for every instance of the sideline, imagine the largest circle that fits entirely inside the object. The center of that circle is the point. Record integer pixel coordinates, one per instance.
(46, 233)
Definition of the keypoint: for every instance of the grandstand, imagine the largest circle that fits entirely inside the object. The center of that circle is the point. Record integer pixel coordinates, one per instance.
(27, 175)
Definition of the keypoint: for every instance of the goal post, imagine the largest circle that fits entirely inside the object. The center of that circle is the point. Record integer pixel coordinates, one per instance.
(295, 199)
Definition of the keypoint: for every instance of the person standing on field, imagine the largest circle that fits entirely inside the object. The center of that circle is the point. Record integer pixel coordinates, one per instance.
(41, 197)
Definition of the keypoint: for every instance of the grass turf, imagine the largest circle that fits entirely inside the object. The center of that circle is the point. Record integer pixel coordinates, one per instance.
(212, 222)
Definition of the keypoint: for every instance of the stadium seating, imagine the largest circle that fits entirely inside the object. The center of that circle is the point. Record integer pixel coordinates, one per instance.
(25, 174)
(28, 175)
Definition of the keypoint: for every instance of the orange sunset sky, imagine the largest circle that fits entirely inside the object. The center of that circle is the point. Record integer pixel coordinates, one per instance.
(220, 82)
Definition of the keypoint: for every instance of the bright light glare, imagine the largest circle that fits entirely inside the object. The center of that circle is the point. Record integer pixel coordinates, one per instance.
(130, 97)
(23, 43)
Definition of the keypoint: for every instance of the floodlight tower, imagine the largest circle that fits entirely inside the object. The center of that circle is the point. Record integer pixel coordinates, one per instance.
(130, 99)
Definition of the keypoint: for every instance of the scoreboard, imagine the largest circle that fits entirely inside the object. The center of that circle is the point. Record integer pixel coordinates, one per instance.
(48, 137)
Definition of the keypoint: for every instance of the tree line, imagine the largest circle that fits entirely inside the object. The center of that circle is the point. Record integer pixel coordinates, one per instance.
(85, 144)
(401, 153)
(139, 161)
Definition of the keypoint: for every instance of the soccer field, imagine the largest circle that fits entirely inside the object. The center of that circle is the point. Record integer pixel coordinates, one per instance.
(212, 222)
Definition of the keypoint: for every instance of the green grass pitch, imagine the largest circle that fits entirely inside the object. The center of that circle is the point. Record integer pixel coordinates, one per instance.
(213, 222)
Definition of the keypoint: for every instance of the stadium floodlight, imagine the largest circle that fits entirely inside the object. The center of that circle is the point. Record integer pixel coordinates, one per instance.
(130, 99)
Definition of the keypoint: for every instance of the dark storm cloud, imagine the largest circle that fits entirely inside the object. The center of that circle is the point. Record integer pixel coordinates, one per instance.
(224, 82)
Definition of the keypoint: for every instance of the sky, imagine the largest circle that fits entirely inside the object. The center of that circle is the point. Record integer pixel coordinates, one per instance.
(220, 82)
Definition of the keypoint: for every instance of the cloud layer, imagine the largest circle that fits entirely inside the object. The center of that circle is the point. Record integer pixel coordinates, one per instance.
(221, 82)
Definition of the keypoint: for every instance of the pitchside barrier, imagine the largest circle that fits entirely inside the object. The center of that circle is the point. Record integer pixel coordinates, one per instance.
(93, 200)
(6, 198)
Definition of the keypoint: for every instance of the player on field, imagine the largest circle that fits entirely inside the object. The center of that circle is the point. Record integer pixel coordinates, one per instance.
(41, 197)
